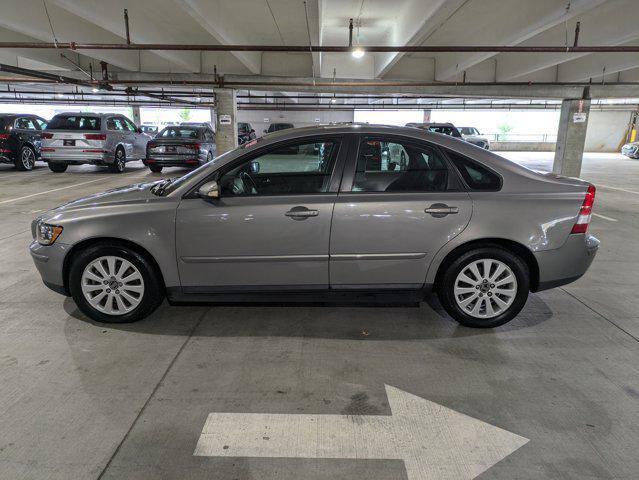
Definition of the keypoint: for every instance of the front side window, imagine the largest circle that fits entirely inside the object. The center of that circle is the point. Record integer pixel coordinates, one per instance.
(129, 125)
(294, 169)
(115, 123)
(390, 166)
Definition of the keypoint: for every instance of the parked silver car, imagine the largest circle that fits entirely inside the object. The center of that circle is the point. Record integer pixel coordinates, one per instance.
(324, 213)
(472, 135)
(108, 139)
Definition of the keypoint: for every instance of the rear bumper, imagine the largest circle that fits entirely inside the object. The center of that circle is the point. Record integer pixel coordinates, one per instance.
(568, 263)
(173, 160)
(49, 260)
(78, 156)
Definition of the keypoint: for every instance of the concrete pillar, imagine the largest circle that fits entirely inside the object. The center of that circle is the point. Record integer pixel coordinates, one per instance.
(571, 137)
(226, 122)
(136, 115)
(426, 116)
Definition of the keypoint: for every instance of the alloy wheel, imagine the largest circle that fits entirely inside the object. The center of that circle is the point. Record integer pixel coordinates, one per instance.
(112, 285)
(27, 157)
(485, 288)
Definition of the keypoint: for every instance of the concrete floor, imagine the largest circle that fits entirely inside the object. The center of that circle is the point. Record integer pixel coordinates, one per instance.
(80, 400)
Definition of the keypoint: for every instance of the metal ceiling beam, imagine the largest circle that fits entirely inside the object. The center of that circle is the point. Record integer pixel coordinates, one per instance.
(325, 48)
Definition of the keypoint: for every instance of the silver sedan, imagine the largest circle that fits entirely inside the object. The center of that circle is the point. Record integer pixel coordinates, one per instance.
(360, 212)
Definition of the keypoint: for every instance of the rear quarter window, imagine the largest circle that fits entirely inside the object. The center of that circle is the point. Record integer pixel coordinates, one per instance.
(475, 175)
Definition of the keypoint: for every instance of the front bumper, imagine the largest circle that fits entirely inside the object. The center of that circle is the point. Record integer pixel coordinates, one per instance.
(566, 264)
(49, 260)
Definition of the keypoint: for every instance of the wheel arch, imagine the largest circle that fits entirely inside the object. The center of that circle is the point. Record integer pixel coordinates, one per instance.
(84, 244)
(514, 247)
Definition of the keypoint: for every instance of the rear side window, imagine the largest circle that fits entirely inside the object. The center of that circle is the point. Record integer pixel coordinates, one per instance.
(74, 122)
(476, 176)
(390, 166)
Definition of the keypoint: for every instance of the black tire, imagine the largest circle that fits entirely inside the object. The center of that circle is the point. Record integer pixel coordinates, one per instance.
(26, 158)
(58, 167)
(119, 161)
(445, 289)
(153, 284)
(155, 168)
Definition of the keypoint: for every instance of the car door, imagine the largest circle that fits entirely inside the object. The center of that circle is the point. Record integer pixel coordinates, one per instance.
(129, 138)
(399, 203)
(270, 227)
(25, 130)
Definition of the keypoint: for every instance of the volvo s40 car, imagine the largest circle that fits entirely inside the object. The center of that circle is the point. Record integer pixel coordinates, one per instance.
(324, 213)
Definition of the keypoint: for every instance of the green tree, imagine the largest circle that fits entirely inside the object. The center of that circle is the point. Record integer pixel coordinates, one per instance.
(185, 114)
(504, 128)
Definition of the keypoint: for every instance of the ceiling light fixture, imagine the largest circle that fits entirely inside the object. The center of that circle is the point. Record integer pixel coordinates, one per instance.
(358, 52)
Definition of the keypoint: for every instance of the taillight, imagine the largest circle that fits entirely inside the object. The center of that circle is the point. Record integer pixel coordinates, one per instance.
(47, 135)
(4, 136)
(192, 146)
(585, 212)
(95, 136)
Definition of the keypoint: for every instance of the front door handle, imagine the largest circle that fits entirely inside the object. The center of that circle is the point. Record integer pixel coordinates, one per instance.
(301, 213)
(439, 210)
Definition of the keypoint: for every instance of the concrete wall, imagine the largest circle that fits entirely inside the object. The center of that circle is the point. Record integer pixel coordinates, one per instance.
(300, 119)
(606, 130)
(522, 146)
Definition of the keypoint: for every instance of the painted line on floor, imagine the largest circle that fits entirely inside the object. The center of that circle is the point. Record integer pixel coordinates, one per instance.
(598, 185)
(11, 200)
(610, 219)
(434, 442)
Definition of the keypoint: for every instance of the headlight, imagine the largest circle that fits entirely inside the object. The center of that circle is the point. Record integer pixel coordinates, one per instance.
(47, 234)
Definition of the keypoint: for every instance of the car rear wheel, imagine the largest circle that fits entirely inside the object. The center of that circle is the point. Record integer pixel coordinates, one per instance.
(26, 159)
(155, 168)
(118, 162)
(485, 287)
(114, 284)
(58, 167)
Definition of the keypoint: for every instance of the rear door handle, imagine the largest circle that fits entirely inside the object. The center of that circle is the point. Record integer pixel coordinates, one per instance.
(301, 213)
(439, 210)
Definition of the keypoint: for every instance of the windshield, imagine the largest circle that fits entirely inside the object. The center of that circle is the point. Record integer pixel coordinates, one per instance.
(468, 131)
(179, 132)
(274, 127)
(74, 122)
(170, 184)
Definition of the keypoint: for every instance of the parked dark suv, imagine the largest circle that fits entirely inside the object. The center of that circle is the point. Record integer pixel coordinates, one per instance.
(20, 138)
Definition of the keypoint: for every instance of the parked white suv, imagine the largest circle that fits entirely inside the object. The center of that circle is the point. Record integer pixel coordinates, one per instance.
(472, 135)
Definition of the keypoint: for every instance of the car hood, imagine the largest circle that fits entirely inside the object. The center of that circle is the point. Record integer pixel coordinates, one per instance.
(129, 194)
(474, 137)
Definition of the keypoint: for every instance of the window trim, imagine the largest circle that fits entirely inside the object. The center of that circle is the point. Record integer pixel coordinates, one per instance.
(336, 175)
(348, 178)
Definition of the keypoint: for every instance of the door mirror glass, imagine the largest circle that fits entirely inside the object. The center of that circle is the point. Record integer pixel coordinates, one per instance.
(209, 190)
(255, 166)
(138, 129)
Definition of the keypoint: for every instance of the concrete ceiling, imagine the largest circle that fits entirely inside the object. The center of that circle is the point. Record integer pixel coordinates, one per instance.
(325, 22)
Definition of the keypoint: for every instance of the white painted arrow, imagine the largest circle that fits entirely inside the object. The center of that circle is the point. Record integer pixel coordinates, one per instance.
(435, 442)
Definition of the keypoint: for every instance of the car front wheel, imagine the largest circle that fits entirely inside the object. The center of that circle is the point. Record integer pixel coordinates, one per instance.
(114, 284)
(485, 287)
(155, 168)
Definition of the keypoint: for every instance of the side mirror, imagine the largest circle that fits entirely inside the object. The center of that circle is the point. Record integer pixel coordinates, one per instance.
(138, 129)
(209, 190)
(255, 166)
(252, 131)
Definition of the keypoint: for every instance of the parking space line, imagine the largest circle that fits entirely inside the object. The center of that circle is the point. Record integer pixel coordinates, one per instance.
(11, 200)
(616, 188)
(610, 219)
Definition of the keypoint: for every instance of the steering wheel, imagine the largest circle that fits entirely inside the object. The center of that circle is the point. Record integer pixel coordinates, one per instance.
(249, 183)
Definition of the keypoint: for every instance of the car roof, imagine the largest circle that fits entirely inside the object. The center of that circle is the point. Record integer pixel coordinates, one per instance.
(90, 114)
